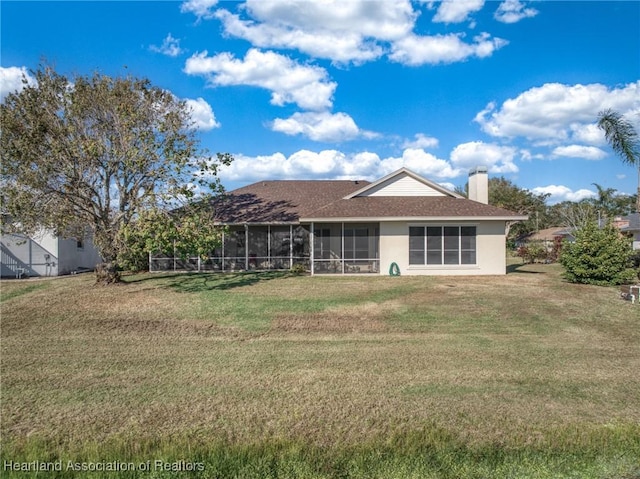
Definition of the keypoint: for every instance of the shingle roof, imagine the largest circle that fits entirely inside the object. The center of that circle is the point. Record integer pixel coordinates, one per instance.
(409, 207)
(634, 222)
(288, 201)
(548, 234)
(284, 201)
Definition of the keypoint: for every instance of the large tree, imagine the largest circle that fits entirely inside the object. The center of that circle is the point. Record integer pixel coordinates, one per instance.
(623, 139)
(505, 194)
(94, 152)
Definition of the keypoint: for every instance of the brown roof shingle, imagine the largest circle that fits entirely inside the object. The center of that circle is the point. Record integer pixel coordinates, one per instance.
(409, 207)
(284, 201)
(287, 201)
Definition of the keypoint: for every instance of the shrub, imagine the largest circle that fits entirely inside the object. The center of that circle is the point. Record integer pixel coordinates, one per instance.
(598, 256)
(533, 251)
(556, 250)
(298, 269)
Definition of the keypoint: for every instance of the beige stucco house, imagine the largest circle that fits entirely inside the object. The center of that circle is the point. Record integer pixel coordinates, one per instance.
(359, 227)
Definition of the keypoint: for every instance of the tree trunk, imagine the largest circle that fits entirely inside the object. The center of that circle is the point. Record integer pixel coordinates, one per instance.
(107, 273)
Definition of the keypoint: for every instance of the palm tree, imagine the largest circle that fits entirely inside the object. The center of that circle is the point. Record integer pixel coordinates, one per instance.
(623, 139)
(605, 200)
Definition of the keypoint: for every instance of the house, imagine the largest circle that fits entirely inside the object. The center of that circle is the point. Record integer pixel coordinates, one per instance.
(45, 254)
(631, 224)
(547, 236)
(348, 227)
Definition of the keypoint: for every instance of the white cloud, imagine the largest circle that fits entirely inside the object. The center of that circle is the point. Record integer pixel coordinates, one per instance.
(512, 11)
(559, 193)
(417, 50)
(11, 80)
(456, 11)
(587, 133)
(357, 31)
(579, 151)
(321, 126)
(202, 114)
(337, 30)
(421, 141)
(363, 165)
(421, 162)
(498, 159)
(247, 169)
(289, 82)
(170, 47)
(333, 164)
(318, 164)
(449, 186)
(526, 155)
(200, 8)
(553, 112)
(303, 164)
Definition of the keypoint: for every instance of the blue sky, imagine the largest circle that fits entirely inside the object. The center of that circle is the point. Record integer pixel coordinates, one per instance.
(359, 88)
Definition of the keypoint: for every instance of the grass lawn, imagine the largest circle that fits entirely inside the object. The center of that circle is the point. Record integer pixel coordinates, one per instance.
(266, 375)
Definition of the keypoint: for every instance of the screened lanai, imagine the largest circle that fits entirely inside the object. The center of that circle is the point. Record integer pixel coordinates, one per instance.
(247, 248)
(340, 248)
(336, 248)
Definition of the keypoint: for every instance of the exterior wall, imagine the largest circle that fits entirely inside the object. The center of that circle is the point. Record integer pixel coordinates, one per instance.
(490, 247)
(37, 256)
(72, 258)
(402, 185)
(45, 255)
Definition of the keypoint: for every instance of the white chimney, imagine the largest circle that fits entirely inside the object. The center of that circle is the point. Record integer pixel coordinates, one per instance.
(479, 185)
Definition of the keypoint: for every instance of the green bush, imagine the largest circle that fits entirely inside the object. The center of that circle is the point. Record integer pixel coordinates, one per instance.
(598, 256)
(533, 251)
(298, 268)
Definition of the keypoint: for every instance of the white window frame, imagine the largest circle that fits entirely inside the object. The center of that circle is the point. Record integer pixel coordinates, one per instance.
(442, 264)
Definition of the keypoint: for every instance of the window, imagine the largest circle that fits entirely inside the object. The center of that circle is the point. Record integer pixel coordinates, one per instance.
(436, 245)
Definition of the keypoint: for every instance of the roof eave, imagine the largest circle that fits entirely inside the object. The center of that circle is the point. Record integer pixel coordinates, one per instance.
(368, 219)
(256, 223)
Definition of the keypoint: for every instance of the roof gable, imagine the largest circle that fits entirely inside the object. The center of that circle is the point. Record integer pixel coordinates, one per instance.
(403, 182)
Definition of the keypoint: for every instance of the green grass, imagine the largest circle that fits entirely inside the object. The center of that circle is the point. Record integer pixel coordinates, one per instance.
(14, 289)
(272, 375)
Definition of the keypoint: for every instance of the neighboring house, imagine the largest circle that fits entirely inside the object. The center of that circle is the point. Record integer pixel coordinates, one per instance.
(45, 254)
(631, 224)
(338, 227)
(547, 236)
